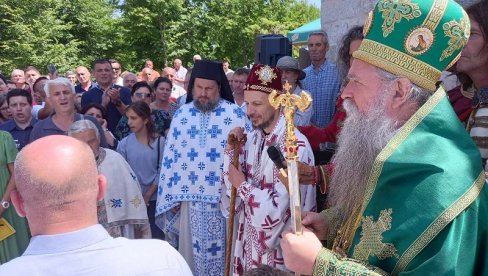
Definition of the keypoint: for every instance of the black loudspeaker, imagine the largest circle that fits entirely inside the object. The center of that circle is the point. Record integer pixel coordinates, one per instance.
(270, 48)
(304, 58)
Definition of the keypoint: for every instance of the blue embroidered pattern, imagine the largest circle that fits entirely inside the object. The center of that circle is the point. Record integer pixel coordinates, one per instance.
(116, 203)
(193, 156)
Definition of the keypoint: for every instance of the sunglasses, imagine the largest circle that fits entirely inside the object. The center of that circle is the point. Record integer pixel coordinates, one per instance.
(142, 95)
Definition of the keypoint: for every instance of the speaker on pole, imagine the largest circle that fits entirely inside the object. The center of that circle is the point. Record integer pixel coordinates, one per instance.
(270, 48)
(304, 58)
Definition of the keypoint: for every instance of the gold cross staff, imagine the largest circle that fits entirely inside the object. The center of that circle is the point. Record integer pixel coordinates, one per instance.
(289, 102)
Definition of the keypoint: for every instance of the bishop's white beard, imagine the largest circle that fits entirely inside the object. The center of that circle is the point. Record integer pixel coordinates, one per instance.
(360, 141)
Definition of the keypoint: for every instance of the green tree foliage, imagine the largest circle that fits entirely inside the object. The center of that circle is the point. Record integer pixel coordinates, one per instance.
(224, 29)
(69, 33)
(65, 33)
(149, 30)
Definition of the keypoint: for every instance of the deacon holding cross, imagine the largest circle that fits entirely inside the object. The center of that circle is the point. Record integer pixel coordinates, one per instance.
(262, 204)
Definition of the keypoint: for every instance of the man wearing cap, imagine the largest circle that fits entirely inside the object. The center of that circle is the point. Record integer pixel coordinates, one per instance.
(262, 201)
(291, 73)
(407, 194)
(189, 187)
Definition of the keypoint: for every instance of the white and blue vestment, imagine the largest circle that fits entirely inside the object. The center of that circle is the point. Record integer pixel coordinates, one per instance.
(189, 187)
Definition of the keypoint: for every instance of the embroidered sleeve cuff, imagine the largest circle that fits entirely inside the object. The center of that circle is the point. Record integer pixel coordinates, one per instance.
(330, 263)
(244, 191)
(229, 153)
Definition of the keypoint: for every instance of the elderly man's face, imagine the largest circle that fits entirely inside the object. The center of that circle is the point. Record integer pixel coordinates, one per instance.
(363, 85)
(317, 47)
(71, 78)
(177, 64)
(130, 80)
(147, 74)
(88, 136)
(205, 94)
(83, 75)
(61, 98)
(169, 73)
(18, 76)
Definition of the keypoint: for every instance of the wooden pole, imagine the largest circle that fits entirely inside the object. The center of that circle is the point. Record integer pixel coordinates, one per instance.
(236, 145)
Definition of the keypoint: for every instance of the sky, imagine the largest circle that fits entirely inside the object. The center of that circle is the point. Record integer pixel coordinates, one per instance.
(315, 3)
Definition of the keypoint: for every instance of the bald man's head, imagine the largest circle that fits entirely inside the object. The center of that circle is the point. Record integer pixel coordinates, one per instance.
(169, 73)
(55, 173)
(196, 57)
(177, 63)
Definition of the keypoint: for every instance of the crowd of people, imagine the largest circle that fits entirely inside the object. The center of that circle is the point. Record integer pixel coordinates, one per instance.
(143, 172)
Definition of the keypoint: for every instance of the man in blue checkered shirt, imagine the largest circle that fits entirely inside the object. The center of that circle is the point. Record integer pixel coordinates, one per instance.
(322, 80)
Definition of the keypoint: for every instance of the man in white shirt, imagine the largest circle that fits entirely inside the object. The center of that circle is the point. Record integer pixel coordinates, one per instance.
(61, 207)
(180, 73)
(177, 91)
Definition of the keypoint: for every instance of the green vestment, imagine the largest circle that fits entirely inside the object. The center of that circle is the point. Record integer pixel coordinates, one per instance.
(425, 209)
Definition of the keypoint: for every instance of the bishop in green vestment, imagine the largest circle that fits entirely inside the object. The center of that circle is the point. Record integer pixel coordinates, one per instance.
(408, 194)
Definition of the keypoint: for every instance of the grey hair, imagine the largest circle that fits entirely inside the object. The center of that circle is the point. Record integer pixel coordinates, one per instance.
(417, 95)
(83, 125)
(321, 33)
(69, 73)
(58, 81)
(128, 74)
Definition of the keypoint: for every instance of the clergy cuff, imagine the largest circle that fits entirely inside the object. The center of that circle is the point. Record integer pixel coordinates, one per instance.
(244, 191)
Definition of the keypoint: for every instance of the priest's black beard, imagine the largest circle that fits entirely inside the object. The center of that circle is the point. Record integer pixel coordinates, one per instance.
(361, 140)
(209, 106)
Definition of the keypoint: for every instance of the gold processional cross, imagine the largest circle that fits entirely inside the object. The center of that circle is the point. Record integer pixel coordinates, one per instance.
(289, 102)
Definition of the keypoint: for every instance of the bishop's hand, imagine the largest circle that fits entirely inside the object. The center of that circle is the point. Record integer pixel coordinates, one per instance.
(300, 251)
(315, 223)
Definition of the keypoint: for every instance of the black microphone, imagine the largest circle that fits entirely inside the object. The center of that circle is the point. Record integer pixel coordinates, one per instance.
(277, 158)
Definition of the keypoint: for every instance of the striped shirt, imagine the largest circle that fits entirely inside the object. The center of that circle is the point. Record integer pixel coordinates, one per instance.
(478, 123)
(324, 87)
